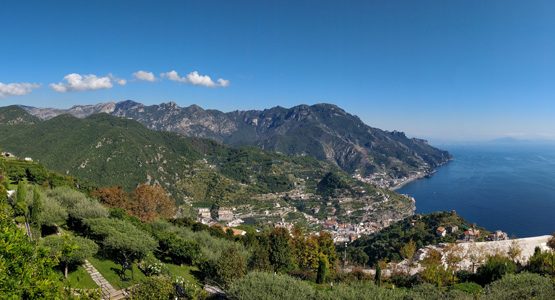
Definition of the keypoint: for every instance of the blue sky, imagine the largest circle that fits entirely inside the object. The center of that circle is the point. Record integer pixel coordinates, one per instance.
(444, 70)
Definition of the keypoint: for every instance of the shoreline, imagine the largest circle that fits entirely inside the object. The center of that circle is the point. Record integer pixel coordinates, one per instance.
(418, 177)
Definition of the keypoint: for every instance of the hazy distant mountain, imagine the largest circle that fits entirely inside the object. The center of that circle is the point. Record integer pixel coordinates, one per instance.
(323, 131)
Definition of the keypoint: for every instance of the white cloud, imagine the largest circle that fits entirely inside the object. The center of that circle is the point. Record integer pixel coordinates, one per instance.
(145, 76)
(16, 89)
(78, 82)
(195, 78)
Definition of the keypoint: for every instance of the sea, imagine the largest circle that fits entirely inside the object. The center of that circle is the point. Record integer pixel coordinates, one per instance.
(506, 186)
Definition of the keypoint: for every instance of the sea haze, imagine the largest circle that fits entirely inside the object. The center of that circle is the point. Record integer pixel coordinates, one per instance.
(499, 186)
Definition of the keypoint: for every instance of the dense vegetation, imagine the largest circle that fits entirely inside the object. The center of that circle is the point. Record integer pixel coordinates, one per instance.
(68, 226)
(418, 231)
(104, 150)
(323, 131)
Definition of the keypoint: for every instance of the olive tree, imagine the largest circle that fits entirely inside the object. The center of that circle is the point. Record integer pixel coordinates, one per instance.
(121, 240)
(70, 250)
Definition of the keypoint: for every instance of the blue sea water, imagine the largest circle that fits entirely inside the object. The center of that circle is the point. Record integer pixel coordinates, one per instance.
(507, 187)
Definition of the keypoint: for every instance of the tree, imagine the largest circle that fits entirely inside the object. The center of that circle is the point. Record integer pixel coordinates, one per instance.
(378, 275)
(551, 242)
(408, 250)
(434, 272)
(323, 269)
(475, 255)
(520, 286)
(515, 251)
(114, 197)
(266, 286)
(20, 207)
(542, 262)
(495, 267)
(70, 250)
(280, 250)
(36, 207)
(226, 268)
(453, 257)
(26, 271)
(306, 250)
(357, 256)
(121, 240)
(52, 213)
(327, 247)
(151, 202)
(154, 288)
(179, 250)
(77, 204)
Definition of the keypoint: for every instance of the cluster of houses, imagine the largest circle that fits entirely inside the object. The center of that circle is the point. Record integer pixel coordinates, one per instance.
(224, 215)
(349, 232)
(471, 234)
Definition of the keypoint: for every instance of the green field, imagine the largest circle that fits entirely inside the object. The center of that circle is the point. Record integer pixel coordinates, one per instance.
(109, 270)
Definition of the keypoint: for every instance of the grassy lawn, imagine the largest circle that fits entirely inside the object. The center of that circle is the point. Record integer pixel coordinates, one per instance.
(183, 271)
(80, 279)
(109, 270)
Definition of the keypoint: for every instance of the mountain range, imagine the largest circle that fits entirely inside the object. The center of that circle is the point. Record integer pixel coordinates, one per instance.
(107, 150)
(323, 131)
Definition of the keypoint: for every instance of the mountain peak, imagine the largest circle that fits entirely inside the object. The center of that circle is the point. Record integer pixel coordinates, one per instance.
(323, 130)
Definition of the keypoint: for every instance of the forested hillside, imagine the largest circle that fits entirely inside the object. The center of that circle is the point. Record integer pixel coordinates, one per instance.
(109, 151)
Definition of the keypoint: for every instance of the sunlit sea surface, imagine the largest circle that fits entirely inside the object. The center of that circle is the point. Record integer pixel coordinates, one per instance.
(507, 187)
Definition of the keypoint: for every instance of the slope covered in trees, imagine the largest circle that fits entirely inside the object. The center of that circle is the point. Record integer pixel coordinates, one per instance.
(259, 265)
(109, 151)
(323, 131)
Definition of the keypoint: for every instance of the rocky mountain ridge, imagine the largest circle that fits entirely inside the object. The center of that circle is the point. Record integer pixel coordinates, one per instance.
(323, 131)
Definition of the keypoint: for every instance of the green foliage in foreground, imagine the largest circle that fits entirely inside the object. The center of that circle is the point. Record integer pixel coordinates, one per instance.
(521, 286)
(80, 279)
(26, 271)
(259, 285)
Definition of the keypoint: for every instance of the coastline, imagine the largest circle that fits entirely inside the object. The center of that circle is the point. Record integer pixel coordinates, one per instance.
(407, 181)
(419, 176)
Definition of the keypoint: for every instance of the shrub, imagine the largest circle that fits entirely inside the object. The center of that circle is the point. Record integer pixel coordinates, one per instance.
(151, 266)
(77, 204)
(468, 287)
(121, 240)
(520, 286)
(495, 267)
(154, 288)
(266, 286)
(227, 268)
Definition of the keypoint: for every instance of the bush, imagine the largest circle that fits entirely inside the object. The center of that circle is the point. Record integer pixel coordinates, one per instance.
(542, 262)
(265, 286)
(52, 213)
(77, 204)
(495, 267)
(468, 287)
(189, 290)
(151, 266)
(120, 240)
(227, 268)
(360, 290)
(178, 250)
(154, 288)
(520, 286)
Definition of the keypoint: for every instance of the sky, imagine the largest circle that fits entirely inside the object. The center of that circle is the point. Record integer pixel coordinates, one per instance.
(442, 70)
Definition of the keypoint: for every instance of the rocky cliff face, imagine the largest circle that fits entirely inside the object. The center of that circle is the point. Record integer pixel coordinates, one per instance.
(324, 131)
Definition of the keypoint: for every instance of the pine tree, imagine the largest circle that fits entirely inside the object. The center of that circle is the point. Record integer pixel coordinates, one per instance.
(323, 269)
(378, 277)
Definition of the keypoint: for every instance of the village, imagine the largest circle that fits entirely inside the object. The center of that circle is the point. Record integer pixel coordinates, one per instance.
(342, 232)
